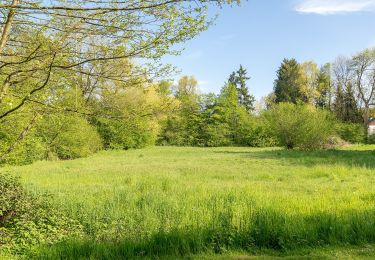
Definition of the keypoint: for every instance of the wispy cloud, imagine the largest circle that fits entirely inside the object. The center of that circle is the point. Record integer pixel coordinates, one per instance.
(195, 55)
(203, 83)
(224, 40)
(326, 7)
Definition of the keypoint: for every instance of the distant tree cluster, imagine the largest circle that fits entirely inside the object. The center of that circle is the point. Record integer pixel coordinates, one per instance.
(214, 120)
(346, 87)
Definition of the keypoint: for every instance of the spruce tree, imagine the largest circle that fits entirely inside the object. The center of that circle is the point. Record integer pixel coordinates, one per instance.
(352, 113)
(345, 105)
(339, 103)
(244, 98)
(239, 79)
(289, 82)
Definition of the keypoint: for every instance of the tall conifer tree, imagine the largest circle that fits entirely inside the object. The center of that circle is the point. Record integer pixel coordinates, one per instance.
(289, 82)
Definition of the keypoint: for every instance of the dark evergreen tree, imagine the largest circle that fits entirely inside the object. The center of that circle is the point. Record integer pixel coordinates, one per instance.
(289, 82)
(244, 98)
(339, 103)
(239, 79)
(233, 78)
(345, 105)
(351, 111)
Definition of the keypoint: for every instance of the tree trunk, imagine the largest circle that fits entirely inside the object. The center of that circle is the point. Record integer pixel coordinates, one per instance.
(3, 40)
(7, 25)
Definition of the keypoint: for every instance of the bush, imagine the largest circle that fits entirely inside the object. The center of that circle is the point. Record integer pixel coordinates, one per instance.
(261, 135)
(24, 149)
(27, 151)
(11, 195)
(301, 126)
(68, 136)
(28, 220)
(350, 132)
(130, 117)
(371, 139)
(125, 134)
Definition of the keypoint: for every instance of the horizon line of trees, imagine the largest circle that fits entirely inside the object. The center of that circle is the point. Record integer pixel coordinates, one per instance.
(69, 89)
(142, 112)
(344, 89)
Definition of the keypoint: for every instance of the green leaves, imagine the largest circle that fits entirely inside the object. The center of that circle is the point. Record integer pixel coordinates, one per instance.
(300, 126)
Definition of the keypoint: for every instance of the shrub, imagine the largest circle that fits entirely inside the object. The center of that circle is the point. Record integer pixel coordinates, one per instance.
(350, 132)
(68, 136)
(371, 139)
(215, 134)
(133, 120)
(261, 134)
(27, 151)
(18, 143)
(125, 134)
(301, 126)
(28, 220)
(11, 194)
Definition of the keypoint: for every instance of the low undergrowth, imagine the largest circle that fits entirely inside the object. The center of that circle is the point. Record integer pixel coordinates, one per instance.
(29, 220)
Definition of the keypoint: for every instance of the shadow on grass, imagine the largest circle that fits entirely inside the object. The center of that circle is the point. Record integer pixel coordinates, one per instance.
(354, 158)
(263, 229)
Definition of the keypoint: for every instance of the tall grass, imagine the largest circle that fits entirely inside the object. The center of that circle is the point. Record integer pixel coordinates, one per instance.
(168, 201)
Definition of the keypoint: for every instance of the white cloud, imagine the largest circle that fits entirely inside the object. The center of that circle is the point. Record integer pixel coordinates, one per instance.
(326, 7)
(203, 83)
(195, 55)
(225, 39)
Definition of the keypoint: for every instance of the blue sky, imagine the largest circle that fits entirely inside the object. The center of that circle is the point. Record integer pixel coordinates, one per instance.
(261, 33)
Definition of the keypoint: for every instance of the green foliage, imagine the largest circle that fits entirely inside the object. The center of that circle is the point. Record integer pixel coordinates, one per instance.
(233, 115)
(121, 134)
(213, 120)
(128, 117)
(345, 105)
(184, 127)
(28, 220)
(239, 79)
(56, 72)
(68, 136)
(18, 149)
(28, 151)
(371, 139)
(262, 135)
(11, 194)
(300, 126)
(324, 88)
(290, 82)
(350, 132)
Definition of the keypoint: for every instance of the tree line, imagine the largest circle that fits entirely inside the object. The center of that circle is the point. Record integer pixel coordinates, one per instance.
(309, 107)
(71, 84)
(345, 87)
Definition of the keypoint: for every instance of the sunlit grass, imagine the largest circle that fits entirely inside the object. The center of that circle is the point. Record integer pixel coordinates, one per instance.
(179, 201)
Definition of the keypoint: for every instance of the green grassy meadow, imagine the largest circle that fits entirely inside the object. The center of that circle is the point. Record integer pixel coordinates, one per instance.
(169, 202)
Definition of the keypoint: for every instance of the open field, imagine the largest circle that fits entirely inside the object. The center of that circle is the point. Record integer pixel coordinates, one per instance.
(169, 202)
